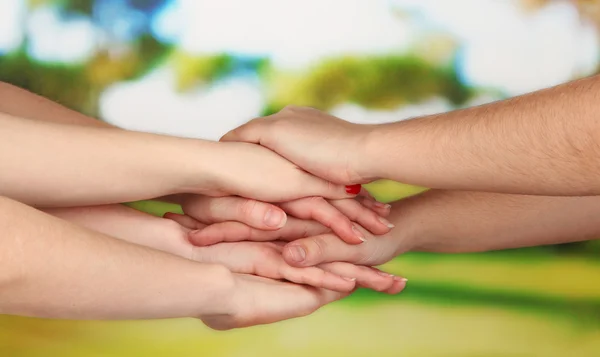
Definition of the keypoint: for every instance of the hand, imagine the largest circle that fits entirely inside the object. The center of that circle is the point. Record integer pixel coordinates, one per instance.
(319, 143)
(336, 214)
(312, 243)
(255, 172)
(258, 301)
(265, 259)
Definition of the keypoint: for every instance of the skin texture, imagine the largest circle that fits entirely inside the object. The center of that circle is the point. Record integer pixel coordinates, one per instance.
(451, 222)
(149, 168)
(217, 296)
(543, 143)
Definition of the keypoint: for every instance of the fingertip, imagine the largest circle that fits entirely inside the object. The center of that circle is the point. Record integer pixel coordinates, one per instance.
(199, 239)
(349, 233)
(339, 283)
(275, 218)
(398, 286)
(353, 189)
(295, 254)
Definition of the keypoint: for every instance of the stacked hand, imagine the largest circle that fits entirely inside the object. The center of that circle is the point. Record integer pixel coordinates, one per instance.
(317, 237)
(272, 285)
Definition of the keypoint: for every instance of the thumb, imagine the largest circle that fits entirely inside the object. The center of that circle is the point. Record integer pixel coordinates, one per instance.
(251, 132)
(319, 249)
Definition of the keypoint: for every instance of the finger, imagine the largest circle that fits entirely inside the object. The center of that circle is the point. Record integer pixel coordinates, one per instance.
(318, 209)
(237, 232)
(366, 277)
(398, 286)
(317, 278)
(254, 213)
(184, 220)
(365, 217)
(315, 186)
(319, 249)
(382, 209)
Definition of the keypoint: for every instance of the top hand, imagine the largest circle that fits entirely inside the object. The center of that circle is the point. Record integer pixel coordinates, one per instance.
(321, 144)
(252, 171)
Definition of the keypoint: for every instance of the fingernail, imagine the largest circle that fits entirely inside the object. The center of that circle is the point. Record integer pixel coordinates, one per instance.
(382, 205)
(358, 233)
(403, 280)
(274, 218)
(297, 253)
(349, 279)
(353, 189)
(386, 223)
(382, 273)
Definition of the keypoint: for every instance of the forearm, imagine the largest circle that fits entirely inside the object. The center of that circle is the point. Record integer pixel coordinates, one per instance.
(49, 164)
(546, 143)
(85, 275)
(454, 221)
(130, 225)
(21, 103)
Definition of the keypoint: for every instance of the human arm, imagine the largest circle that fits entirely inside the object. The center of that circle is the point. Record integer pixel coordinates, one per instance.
(54, 269)
(49, 164)
(19, 102)
(81, 274)
(544, 143)
(259, 258)
(462, 222)
(444, 222)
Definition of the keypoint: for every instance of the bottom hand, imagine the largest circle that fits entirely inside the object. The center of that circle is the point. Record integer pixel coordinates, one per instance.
(257, 301)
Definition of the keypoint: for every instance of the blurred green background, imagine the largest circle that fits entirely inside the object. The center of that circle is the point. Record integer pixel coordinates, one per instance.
(200, 68)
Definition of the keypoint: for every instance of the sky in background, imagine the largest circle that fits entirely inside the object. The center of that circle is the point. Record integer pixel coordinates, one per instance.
(501, 47)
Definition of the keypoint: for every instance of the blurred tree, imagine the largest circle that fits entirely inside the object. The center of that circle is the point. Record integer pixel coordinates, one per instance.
(385, 82)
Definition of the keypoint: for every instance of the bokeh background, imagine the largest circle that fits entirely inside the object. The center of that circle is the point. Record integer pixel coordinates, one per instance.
(200, 68)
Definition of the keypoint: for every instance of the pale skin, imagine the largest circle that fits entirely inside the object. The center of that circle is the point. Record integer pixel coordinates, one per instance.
(81, 274)
(543, 143)
(19, 285)
(74, 160)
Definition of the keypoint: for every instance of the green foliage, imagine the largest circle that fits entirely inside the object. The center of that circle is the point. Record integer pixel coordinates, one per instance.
(83, 7)
(384, 82)
(193, 70)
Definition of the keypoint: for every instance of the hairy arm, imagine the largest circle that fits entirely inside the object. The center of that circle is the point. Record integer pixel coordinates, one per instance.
(87, 275)
(454, 221)
(544, 143)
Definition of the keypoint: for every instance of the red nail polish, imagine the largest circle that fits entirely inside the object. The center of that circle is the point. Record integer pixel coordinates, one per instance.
(353, 189)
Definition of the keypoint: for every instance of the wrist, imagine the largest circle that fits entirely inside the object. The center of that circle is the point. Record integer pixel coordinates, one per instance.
(411, 236)
(368, 159)
(218, 290)
(197, 167)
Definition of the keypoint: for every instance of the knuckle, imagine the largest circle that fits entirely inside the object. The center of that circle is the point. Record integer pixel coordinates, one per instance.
(320, 247)
(316, 201)
(247, 208)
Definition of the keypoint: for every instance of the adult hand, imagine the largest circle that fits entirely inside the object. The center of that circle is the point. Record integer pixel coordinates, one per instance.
(265, 259)
(245, 214)
(321, 144)
(252, 171)
(257, 301)
(311, 243)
